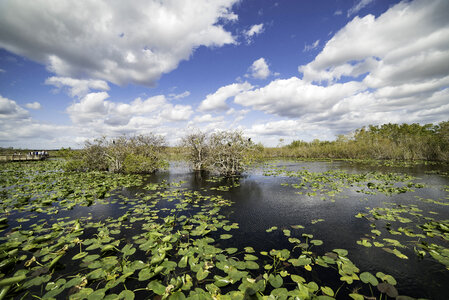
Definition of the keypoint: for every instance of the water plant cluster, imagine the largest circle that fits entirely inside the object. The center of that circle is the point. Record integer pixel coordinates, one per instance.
(332, 182)
(103, 235)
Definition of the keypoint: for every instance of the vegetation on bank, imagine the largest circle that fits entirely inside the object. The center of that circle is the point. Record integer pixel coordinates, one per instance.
(408, 142)
(228, 152)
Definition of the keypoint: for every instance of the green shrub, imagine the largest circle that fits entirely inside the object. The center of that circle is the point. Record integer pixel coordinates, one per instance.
(137, 154)
(137, 163)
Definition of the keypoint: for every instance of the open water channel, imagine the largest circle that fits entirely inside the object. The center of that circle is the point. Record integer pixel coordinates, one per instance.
(287, 217)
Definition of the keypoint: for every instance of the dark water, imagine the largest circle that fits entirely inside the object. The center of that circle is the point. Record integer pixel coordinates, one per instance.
(260, 202)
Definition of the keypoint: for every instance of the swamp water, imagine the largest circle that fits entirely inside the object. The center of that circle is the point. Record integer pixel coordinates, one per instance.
(285, 229)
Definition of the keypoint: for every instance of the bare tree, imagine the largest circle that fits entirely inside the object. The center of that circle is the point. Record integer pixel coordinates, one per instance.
(230, 152)
(198, 149)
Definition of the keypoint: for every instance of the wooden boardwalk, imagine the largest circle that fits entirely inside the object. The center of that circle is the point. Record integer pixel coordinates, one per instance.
(23, 157)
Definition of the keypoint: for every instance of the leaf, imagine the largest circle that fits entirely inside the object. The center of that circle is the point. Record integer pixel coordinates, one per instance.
(225, 236)
(252, 265)
(317, 242)
(341, 252)
(367, 277)
(145, 274)
(202, 274)
(96, 295)
(356, 296)
(297, 227)
(231, 250)
(297, 278)
(126, 295)
(128, 250)
(80, 255)
(221, 281)
(327, 290)
(271, 229)
(156, 287)
(249, 249)
(388, 289)
(276, 281)
(250, 257)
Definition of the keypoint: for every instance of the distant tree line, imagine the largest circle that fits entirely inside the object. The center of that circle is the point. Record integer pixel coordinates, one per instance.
(229, 153)
(388, 141)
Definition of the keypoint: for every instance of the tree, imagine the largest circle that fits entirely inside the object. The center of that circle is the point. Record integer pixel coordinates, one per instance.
(230, 152)
(198, 149)
(137, 154)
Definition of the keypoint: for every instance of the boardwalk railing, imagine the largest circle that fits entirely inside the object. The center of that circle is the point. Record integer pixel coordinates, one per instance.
(23, 157)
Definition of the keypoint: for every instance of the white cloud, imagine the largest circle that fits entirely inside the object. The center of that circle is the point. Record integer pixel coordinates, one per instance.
(206, 119)
(10, 110)
(2, 71)
(338, 12)
(294, 97)
(33, 105)
(177, 112)
(259, 69)
(374, 70)
(179, 96)
(217, 100)
(358, 6)
(113, 41)
(392, 42)
(103, 116)
(17, 129)
(280, 128)
(77, 87)
(253, 31)
(312, 46)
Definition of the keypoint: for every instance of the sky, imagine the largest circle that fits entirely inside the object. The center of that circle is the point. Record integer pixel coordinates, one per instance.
(278, 71)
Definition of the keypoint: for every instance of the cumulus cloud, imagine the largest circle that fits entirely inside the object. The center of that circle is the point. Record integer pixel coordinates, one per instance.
(10, 110)
(103, 115)
(358, 6)
(113, 41)
(177, 112)
(77, 87)
(18, 129)
(33, 105)
(217, 100)
(372, 71)
(259, 69)
(206, 118)
(389, 46)
(294, 97)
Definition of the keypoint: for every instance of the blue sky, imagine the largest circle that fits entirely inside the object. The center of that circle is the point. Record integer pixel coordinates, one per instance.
(275, 70)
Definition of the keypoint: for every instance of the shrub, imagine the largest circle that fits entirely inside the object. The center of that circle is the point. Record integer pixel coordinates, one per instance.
(138, 154)
(137, 163)
(198, 149)
(227, 152)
